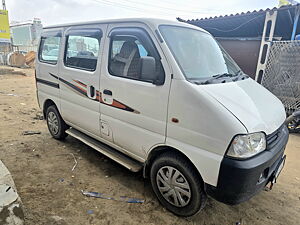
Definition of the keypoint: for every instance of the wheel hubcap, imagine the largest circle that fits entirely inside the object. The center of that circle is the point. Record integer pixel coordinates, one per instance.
(53, 123)
(173, 186)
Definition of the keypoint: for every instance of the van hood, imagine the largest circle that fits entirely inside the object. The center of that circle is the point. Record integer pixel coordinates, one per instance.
(252, 104)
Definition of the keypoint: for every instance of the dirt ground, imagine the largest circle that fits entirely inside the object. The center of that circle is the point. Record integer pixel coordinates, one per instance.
(51, 192)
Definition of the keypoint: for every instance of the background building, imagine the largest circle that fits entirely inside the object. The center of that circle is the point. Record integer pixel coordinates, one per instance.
(265, 45)
(26, 33)
(245, 34)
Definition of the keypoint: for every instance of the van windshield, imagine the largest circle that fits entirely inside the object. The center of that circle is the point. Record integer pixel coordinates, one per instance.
(199, 56)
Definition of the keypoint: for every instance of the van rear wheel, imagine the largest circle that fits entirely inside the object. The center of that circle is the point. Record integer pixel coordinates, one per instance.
(177, 185)
(56, 125)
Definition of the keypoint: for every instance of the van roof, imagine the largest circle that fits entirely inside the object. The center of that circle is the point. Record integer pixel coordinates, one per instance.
(152, 22)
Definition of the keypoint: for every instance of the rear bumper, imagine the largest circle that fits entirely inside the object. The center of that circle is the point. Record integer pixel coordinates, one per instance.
(239, 180)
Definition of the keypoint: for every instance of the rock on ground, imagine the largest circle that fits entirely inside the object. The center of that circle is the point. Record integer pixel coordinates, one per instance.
(11, 211)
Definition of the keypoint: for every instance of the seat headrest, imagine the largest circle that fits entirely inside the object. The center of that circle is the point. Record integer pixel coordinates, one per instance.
(127, 48)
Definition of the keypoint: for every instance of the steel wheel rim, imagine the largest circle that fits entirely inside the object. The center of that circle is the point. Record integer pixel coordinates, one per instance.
(293, 124)
(173, 186)
(53, 123)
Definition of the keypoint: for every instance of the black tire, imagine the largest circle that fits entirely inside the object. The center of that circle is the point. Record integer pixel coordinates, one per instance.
(60, 134)
(293, 123)
(198, 196)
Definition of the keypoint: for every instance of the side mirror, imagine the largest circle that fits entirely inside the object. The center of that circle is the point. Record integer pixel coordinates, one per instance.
(148, 68)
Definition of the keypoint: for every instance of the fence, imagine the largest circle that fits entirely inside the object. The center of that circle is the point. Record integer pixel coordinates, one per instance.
(282, 73)
(5, 49)
(24, 48)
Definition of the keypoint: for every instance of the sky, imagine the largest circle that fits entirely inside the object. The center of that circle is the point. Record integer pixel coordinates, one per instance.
(65, 11)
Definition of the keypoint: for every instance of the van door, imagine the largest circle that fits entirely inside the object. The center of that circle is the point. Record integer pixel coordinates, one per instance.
(79, 77)
(134, 109)
(47, 63)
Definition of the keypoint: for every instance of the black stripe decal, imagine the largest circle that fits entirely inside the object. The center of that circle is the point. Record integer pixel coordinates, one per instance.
(73, 86)
(69, 84)
(56, 77)
(49, 83)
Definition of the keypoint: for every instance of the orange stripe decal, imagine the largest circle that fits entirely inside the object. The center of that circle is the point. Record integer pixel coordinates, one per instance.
(81, 88)
(79, 82)
(118, 104)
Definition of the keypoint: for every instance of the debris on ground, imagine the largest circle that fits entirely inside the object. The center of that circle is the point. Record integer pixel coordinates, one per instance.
(11, 209)
(90, 211)
(8, 94)
(27, 132)
(12, 95)
(38, 116)
(11, 71)
(75, 161)
(104, 196)
(17, 59)
(29, 59)
(7, 195)
(57, 218)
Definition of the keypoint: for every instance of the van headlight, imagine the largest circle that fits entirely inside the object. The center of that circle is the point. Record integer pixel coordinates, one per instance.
(245, 146)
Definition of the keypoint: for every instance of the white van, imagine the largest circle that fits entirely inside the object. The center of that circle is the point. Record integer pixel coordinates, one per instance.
(163, 97)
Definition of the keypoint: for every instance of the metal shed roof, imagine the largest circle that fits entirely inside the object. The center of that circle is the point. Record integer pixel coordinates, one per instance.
(248, 24)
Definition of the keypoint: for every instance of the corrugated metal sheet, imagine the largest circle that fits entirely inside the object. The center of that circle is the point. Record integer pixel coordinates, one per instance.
(244, 53)
(248, 24)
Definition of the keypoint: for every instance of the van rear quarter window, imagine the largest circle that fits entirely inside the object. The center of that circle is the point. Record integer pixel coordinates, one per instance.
(82, 51)
(49, 49)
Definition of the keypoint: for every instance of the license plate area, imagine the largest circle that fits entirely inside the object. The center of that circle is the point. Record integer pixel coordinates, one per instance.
(279, 169)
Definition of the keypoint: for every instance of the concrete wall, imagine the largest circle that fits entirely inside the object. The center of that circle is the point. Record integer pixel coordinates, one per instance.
(244, 52)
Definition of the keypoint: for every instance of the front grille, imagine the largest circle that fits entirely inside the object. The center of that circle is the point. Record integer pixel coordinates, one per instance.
(274, 138)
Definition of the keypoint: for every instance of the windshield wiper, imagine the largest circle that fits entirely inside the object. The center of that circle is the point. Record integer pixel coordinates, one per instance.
(239, 72)
(217, 76)
(240, 76)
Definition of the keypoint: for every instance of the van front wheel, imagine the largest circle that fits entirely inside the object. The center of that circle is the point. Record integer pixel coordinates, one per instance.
(56, 125)
(177, 185)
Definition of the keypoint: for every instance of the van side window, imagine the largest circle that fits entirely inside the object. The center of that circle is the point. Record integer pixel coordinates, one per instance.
(117, 45)
(82, 51)
(49, 49)
(126, 55)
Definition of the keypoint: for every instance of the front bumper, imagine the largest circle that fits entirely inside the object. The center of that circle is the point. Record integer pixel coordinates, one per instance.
(239, 180)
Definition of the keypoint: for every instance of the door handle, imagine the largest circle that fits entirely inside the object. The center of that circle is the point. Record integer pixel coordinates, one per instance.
(107, 92)
(92, 91)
